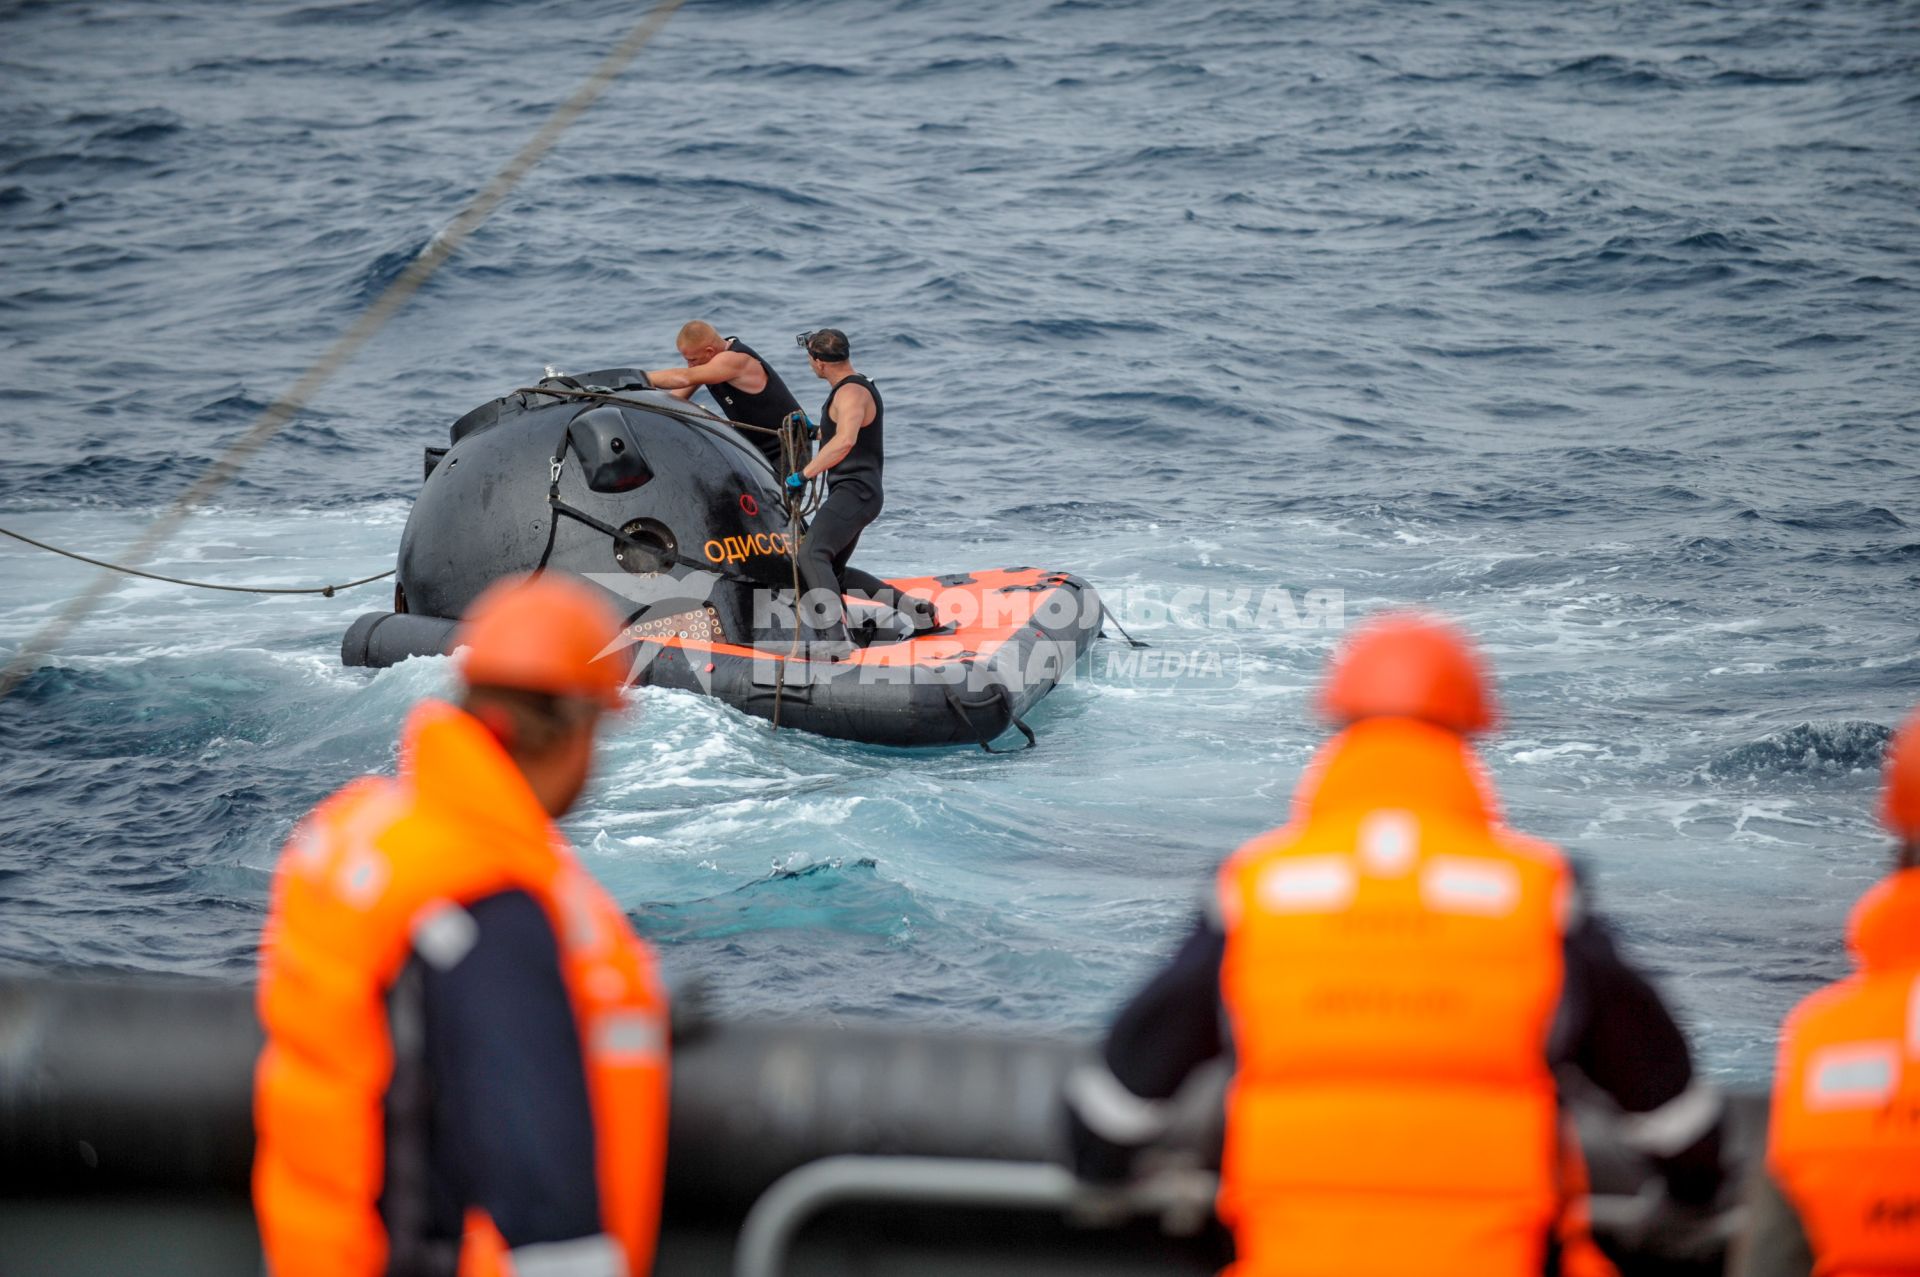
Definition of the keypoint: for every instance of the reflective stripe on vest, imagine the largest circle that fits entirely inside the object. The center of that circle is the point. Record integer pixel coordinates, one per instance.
(384, 870)
(1844, 1141)
(1390, 978)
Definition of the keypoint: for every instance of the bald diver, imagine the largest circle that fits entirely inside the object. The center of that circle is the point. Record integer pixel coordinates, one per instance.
(852, 422)
(743, 385)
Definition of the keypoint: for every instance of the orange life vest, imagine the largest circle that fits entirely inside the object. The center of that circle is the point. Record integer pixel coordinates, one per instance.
(1844, 1142)
(1393, 965)
(369, 868)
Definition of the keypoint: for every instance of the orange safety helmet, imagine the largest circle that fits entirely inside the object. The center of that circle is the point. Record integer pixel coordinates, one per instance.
(1409, 665)
(1900, 803)
(543, 633)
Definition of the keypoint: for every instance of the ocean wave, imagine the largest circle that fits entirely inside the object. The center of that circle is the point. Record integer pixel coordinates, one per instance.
(1846, 516)
(850, 897)
(70, 163)
(702, 186)
(800, 70)
(1613, 70)
(1828, 748)
(104, 479)
(146, 125)
(947, 66)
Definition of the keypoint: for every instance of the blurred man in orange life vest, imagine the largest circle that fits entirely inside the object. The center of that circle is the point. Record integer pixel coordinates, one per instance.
(1841, 1193)
(1395, 976)
(466, 1056)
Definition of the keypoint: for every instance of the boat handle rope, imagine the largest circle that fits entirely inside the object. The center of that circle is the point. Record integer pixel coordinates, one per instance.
(998, 692)
(1106, 614)
(327, 591)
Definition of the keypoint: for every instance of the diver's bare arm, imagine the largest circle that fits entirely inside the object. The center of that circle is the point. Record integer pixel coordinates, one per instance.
(834, 452)
(854, 412)
(723, 367)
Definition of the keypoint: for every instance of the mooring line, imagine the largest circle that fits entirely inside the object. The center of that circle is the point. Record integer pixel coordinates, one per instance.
(327, 590)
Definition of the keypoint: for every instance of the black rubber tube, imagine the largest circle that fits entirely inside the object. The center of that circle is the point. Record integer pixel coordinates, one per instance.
(126, 1088)
(117, 1086)
(156, 1077)
(380, 639)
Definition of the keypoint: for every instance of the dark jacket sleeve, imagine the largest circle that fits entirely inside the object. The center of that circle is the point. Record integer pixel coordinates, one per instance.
(1614, 1028)
(1173, 1024)
(1774, 1243)
(1171, 1027)
(513, 1127)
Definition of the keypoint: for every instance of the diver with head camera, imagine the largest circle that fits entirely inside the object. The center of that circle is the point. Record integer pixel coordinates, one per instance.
(851, 458)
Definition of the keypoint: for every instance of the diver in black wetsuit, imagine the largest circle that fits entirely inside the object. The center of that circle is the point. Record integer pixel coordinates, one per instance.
(744, 385)
(851, 458)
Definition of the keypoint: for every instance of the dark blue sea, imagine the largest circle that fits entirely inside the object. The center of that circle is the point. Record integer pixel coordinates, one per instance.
(1596, 325)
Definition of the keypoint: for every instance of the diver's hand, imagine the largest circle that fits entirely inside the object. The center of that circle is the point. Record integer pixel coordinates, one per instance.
(796, 481)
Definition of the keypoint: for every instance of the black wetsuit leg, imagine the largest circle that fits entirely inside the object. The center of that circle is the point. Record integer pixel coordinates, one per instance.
(866, 585)
(824, 551)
